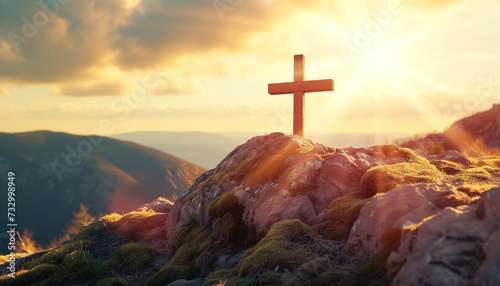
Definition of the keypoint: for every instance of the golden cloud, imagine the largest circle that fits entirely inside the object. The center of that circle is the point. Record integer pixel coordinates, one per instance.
(94, 89)
(67, 44)
(4, 92)
(42, 43)
(58, 43)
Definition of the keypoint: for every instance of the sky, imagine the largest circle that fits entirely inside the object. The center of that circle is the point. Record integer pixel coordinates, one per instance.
(115, 66)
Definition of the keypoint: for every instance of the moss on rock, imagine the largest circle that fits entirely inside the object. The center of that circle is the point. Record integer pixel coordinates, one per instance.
(135, 257)
(280, 247)
(382, 179)
(225, 203)
(94, 232)
(341, 215)
(183, 263)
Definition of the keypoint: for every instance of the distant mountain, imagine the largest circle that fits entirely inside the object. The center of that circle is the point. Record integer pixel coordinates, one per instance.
(472, 135)
(56, 172)
(208, 149)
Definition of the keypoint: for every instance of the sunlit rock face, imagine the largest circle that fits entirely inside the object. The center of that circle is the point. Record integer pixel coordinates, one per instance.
(388, 216)
(276, 177)
(385, 201)
(459, 246)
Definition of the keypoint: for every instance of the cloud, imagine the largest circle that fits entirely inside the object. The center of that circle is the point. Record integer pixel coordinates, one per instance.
(4, 92)
(176, 32)
(94, 89)
(8, 55)
(72, 111)
(223, 111)
(82, 40)
(77, 42)
(64, 111)
(71, 44)
(177, 86)
(152, 82)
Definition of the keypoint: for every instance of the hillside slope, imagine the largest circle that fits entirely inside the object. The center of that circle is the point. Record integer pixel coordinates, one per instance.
(285, 210)
(472, 135)
(56, 172)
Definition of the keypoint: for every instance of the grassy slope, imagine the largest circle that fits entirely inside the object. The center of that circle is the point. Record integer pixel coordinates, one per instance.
(474, 135)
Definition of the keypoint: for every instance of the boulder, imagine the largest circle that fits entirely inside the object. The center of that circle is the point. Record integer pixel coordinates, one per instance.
(387, 215)
(450, 156)
(459, 246)
(276, 177)
(380, 199)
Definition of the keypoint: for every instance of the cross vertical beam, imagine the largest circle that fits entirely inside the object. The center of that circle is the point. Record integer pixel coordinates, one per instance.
(299, 87)
(298, 96)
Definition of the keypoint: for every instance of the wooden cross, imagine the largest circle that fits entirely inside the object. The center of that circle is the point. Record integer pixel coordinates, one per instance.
(298, 87)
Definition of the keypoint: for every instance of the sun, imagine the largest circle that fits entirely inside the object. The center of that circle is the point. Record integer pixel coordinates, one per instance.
(373, 55)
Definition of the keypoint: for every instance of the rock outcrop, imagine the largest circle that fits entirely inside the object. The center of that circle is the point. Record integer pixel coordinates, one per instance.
(372, 197)
(459, 246)
(277, 177)
(404, 208)
(284, 210)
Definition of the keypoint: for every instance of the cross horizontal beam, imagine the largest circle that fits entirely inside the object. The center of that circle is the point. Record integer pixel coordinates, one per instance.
(300, 86)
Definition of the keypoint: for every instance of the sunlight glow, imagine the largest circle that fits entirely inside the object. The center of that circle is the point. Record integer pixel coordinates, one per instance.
(383, 65)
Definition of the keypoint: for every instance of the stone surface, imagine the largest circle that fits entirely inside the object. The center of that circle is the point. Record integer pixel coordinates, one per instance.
(451, 156)
(277, 177)
(459, 246)
(227, 261)
(404, 207)
(420, 215)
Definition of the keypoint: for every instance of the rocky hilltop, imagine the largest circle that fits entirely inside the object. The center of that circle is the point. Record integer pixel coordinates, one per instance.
(284, 210)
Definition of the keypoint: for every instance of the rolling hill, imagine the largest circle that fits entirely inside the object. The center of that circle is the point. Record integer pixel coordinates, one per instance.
(473, 135)
(56, 172)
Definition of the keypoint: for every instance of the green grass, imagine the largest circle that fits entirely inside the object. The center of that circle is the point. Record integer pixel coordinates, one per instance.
(135, 257)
